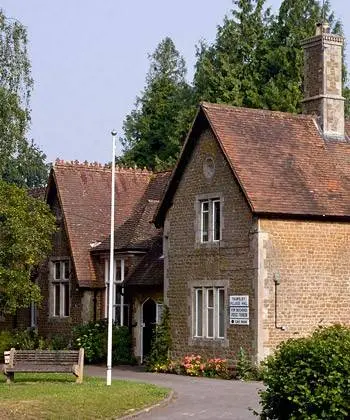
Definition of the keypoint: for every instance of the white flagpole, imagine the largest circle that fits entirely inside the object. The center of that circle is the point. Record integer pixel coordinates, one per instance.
(111, 271)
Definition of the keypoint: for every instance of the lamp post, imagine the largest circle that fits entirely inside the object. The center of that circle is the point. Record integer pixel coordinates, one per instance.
(111, 268)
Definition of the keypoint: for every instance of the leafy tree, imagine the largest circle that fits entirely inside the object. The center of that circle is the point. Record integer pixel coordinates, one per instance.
(229, 70)
(282, 72)
(26, 224)
(154, 129)
(256, 60)
(16, 86)
(26, 228)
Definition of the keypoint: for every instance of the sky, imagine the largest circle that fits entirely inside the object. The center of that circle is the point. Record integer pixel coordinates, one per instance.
(90, 59)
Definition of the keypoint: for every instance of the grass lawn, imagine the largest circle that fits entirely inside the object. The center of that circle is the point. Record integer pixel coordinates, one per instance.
(57, 396)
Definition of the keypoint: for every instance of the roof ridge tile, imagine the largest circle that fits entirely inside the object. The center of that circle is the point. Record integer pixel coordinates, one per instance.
(228, 107)
(76, 164)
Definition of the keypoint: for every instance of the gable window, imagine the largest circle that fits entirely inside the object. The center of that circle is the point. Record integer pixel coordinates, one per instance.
(209, 312)
(210, 220)
(60, 288)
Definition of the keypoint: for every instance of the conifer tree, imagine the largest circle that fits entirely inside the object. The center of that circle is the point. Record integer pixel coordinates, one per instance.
(153, 131)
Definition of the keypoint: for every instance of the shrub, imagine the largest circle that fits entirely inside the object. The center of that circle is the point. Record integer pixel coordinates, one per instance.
(195, 365)
(246, 369)
(93, 338)
(122, 347)
(161, 343)
(308, 378)
(27, 340)
(58, 342)
(5, 343)
(172, 366)
(216, 368)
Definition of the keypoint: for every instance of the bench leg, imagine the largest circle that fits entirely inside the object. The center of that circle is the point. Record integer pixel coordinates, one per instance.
(10, 377)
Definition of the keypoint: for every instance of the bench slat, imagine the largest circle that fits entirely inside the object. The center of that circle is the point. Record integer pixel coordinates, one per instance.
(42, 368)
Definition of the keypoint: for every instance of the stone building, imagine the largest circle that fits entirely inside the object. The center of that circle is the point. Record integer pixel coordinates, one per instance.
(256, 220)
(74, 281)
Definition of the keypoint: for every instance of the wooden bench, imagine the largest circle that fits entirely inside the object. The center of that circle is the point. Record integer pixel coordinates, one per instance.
(45, 361)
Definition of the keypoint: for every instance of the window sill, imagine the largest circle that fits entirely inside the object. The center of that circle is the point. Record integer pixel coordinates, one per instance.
(57, 318)
(210, 245)
(204, 342)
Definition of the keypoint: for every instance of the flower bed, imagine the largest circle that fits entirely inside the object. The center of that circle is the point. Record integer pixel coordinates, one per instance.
(196, 365)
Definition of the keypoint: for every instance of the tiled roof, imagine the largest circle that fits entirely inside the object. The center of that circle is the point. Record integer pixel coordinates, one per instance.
(138, 232)
(84, 192)
(281, 161)
(150, 271)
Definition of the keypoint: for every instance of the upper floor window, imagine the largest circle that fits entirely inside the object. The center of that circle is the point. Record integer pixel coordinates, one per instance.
(60, 288)
(210, 220)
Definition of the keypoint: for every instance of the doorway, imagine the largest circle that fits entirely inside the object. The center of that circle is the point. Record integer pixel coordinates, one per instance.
(148, 313)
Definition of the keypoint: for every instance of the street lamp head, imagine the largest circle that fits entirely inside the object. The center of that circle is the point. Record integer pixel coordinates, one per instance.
(114, 133)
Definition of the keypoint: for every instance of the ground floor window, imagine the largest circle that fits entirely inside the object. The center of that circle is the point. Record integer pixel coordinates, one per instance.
(120, 316)
(60, 288)
(117, 311)
(209, 312)
(117, 304)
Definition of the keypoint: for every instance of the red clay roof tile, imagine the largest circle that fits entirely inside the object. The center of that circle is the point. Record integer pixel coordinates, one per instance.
(281, 161)
(84, 192)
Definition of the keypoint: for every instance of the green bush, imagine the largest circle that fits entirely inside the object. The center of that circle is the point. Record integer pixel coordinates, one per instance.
(161, 343)
(122, 347)
(5, 343)
(309, 378)
(58, 342)
(93, 338)
(28, 339)
(246, 369)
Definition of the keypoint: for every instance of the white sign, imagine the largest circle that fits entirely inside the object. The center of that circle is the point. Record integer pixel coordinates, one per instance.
(239, 300)
(239, 310)
(239, 321)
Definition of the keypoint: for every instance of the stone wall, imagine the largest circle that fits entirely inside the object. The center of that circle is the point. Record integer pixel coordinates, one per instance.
(310, 260)
(228, 264)
(47, 324)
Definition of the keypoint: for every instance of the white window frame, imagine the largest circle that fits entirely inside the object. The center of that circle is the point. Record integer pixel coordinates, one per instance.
(203, 331)
(214, 216)
(211, 215)
(205, 212)
(159, 312)
(62, 283)
(116, 282)
(198, 326)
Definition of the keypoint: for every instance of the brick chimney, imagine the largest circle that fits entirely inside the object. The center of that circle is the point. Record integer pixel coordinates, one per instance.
(323, 81)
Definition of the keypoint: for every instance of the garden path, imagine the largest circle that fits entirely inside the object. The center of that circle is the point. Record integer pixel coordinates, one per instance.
(197, 398)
